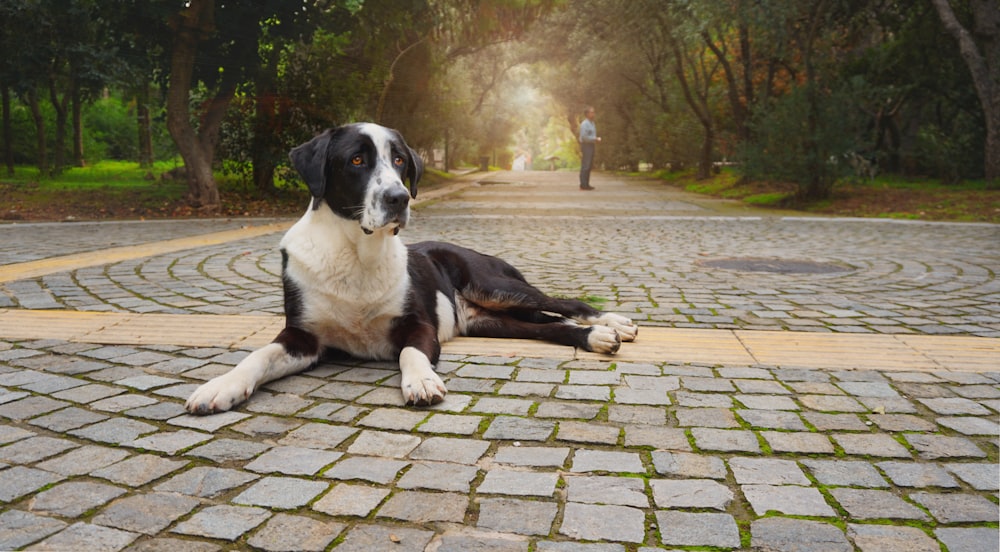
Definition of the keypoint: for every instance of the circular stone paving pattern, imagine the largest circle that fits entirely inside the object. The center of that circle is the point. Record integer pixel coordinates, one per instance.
(779, 266)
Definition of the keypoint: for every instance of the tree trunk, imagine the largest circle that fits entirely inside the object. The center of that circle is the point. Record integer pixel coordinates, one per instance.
(266, 124)
(196, 21)
(36, 115)
(263, 142)
(697, 100)
(705, 163)
(819, 184)
(983, 65)
(8, 133)
(78, 159)
(144, 126)
(748, 86)
(389, 78)
(736, 105)
(60, 106)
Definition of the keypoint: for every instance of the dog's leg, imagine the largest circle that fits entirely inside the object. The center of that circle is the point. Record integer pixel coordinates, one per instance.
(420, 384)
(598, 339)
(583, 313)
(527, 302)
(292, 351)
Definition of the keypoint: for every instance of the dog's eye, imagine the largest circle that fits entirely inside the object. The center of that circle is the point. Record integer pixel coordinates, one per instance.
(398, 161)
(357, 160)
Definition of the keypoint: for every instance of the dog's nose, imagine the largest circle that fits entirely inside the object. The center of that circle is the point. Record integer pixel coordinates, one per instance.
(396, 198)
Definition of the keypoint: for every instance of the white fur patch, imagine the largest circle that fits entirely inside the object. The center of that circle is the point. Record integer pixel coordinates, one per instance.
(353, 285)
(625, 327)
(383, 176)
(420, 384)
(603, 339)
(446, 318)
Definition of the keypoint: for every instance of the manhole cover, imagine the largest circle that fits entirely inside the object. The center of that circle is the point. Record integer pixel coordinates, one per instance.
(778, 266)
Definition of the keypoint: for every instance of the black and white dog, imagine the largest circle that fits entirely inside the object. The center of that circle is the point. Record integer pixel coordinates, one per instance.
(350, 284)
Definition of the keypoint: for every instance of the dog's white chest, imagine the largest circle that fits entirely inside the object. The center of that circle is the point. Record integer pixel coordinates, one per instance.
(351, 291)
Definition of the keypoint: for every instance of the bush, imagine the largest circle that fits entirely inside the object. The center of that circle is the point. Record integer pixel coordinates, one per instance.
(945, 156)
(110, 126)
(783, 148)
(109, 132)
(111, 129)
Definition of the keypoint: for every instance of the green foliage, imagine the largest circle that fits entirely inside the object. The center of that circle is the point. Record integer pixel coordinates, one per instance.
(23, 133)
(110, 132)
(111, 129)
(767, 199)
(785, 148)
(495, 77)
(946, 155)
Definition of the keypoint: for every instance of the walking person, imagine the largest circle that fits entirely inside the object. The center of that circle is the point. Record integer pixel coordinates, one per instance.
(588, 142)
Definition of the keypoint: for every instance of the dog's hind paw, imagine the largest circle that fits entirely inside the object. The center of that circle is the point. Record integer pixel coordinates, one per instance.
(218, 395)
(626, 328)
(603, 339)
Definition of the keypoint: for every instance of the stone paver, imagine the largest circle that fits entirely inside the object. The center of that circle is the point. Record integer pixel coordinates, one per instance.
(530, 451)
(522, 517)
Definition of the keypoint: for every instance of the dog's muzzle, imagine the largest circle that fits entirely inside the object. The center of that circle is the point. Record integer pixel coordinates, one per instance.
(392, 206)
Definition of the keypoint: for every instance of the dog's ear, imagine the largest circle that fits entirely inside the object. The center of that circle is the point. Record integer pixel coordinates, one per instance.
(309, 160)
(414, 170)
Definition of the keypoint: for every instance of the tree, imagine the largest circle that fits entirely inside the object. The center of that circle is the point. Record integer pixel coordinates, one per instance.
(22, 67)
(194, 24)
(8, 74)
(983, 59)
(215, 49)
(84, 61)
(696, 71)
(144, 40)
(405, 45)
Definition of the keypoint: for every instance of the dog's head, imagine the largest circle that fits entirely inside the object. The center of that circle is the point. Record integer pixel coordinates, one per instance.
(358, 170)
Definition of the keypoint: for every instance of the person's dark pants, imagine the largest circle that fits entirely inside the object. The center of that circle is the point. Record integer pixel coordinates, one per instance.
(586, 162)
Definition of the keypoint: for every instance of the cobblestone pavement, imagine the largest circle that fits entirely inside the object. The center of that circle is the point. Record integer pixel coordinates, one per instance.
(665, 269)
(527, 452)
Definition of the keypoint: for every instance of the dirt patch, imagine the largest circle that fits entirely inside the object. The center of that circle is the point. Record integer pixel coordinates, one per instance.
(19, 202)
(911, 203)
(891, 199)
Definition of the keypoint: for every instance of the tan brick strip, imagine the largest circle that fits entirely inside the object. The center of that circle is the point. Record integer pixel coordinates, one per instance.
(697, 346)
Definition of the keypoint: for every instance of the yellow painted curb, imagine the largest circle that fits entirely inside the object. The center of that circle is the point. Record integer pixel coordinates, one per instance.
(682, 345)
(656, 345)
(835, 351)
(42, 267)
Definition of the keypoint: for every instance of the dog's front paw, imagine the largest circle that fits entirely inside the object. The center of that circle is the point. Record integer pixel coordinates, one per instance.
(219, 394)
(625, 327)
(420, 384)
(424, 390)
(603, 339)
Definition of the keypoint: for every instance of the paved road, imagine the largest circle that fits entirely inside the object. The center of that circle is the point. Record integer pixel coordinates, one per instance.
(531, 450)
(663, 256)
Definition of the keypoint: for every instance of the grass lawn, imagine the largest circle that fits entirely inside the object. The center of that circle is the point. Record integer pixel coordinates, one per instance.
(120, 190)
(887, 196)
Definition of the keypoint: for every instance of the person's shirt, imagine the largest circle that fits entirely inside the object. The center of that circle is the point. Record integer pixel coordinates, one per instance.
(588, 132)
